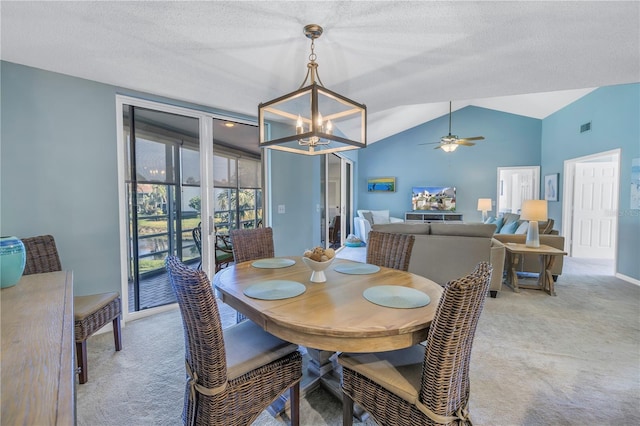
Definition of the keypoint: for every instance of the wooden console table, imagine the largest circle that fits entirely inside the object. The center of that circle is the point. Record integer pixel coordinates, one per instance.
(38, 365)
(547, 254)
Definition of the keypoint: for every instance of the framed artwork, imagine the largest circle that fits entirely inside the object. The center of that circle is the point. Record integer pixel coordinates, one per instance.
(381, 184)
(551, 187)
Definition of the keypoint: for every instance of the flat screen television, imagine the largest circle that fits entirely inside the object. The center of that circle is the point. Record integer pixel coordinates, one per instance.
(439, 198)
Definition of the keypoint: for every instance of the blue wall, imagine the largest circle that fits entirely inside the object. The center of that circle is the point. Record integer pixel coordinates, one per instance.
(59, 167)
(510, 140)
(614, 113)
(58, 171)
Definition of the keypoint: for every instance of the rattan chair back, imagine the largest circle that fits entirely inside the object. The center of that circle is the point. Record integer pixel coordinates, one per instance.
(91, 312)
(210, 397)
(42, 255)
(445, 379)
(197, 240)
(252, 244)
(391, 250)
(443, 395)
(204, 345)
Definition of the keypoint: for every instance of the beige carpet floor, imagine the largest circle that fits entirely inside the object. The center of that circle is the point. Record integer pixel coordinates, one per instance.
(573, 359)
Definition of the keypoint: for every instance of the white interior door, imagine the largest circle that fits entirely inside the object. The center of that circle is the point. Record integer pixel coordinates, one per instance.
(595, 204)
(515, 185)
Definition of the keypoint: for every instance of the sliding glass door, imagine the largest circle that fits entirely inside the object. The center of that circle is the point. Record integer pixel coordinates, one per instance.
(180, 169)
(163, 193)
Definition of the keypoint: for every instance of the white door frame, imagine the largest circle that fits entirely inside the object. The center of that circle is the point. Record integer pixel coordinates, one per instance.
(346, 180)
(569, 186)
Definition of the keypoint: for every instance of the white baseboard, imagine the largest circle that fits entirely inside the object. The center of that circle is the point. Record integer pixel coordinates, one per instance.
(627, 279)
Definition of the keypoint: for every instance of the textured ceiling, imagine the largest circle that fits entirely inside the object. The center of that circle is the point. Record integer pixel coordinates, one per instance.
(404, 60)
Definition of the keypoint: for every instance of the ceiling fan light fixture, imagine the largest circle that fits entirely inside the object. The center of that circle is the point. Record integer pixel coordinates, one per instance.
(450, 142)
(313, 119)
(449, 147)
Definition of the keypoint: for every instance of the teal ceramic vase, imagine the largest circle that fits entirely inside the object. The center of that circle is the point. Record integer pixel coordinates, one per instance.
(12, 259)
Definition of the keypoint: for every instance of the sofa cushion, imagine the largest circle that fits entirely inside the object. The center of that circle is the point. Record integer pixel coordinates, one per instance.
(498, 223)
(522, 228)
(490, 219)
(403, 228)
(509, 228)
(546, 227)
(368, 216)
(508, 218)
(463, 229)
(380, 216)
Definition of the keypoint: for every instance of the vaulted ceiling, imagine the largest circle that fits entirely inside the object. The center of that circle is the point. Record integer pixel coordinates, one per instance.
(404, 59)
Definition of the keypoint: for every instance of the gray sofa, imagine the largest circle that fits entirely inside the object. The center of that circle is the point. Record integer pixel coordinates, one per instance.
(445, 251)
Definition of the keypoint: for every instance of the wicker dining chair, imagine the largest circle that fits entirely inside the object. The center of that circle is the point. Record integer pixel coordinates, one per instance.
(391, 250)
(251, 244)
(233, 374)
(196, 233)
(424, 384)
(90, 313)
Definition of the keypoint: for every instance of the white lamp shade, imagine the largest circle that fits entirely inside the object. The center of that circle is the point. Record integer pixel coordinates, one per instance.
(534, 210)
(484, 204)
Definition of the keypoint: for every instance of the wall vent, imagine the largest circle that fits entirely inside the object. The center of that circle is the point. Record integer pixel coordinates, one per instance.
(585, 127)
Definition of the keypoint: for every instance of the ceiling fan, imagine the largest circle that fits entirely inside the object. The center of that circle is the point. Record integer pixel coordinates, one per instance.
(450, 142)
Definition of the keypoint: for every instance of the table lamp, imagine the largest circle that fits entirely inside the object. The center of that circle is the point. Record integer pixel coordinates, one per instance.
(533, 211)
(484, 205)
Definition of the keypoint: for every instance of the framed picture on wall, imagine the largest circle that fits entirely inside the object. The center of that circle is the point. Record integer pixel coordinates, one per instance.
(381, 184)
(551, 187)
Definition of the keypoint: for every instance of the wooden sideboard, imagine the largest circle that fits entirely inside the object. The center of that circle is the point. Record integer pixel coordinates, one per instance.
(429, 216)
(37, 352)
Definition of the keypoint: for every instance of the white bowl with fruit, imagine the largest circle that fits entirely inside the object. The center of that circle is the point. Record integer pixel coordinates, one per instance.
(318, 259)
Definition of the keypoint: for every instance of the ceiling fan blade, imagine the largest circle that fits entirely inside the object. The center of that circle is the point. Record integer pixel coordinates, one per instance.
(465, 143)
(429, 143)
(475, 138)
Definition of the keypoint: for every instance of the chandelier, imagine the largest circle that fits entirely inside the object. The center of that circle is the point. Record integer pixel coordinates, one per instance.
(313, 119)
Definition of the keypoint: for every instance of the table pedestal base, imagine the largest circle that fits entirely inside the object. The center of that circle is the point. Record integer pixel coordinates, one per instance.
(322, 369)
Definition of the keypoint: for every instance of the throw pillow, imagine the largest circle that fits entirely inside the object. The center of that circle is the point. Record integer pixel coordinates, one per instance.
(380, 216)
(490, 219)
(510, 217)
(498, 224)
(509, 228)
(522, 228)
(368, 217)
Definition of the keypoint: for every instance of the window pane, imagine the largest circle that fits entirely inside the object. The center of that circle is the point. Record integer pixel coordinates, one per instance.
(224, 171)
(190, 166)
(191, 202)
(152, 159)
(249, 172)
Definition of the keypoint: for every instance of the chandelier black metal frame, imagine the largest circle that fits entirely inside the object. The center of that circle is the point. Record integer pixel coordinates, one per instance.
(313, 119)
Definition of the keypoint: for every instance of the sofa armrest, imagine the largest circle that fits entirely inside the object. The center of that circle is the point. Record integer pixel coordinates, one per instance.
(361, 227)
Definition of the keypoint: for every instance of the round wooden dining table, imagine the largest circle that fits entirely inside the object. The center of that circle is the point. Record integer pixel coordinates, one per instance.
(333, 315)
(330, 317)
